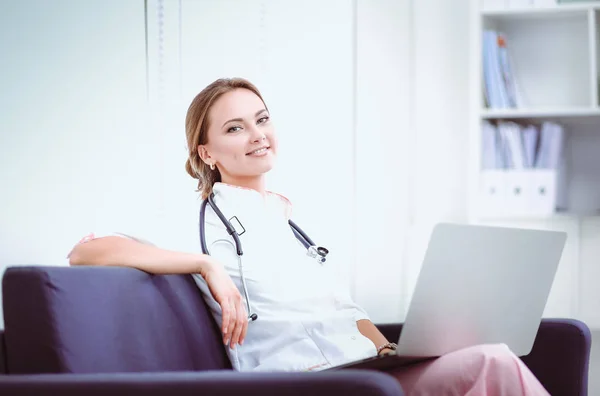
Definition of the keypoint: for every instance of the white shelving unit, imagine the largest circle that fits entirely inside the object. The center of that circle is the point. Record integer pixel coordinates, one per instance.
(565, 114)
(555, 51)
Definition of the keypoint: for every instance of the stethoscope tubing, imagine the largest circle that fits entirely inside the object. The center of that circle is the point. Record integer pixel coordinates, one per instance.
(306, 241)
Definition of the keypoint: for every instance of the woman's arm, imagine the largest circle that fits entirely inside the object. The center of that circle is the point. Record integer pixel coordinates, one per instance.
(369, 330)
(125, 252)
(364, 324)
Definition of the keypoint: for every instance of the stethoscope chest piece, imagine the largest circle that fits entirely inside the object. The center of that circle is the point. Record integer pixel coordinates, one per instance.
(318, 253)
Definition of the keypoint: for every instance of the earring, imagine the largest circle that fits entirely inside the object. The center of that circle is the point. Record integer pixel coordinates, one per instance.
(212, 167)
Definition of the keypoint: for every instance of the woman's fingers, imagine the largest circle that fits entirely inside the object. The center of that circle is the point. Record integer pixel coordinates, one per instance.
(234, 316)
(244, 326)
(226, 312)
(232, 320)
(239, 325)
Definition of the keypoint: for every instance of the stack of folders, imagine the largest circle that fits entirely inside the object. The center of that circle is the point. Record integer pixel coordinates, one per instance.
(509, 145)
(501, 89)
(520, 168)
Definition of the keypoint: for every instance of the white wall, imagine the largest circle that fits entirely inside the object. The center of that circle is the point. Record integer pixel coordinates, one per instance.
(412, 110)
(73, 91)
(383, 126)
(103, 151)
(439, 133)
(75, 141)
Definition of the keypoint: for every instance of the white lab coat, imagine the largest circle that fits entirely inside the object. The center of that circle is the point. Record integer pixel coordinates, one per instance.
(306, 319)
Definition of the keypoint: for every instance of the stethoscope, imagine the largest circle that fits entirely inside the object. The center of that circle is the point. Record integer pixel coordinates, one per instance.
(316, 252)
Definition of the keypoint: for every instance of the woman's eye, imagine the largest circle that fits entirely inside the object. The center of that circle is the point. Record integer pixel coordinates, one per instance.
(264, 119)
(234, 129)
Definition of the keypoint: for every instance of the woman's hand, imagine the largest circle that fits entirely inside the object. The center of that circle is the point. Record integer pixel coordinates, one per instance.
(385, 351)
(235, 317)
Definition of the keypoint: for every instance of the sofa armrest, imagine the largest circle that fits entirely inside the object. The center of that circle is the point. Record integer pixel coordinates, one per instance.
(221, 383)
(559, 357)
(3, 365)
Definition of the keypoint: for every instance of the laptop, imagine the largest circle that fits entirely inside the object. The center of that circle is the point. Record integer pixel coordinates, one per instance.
(477, 285)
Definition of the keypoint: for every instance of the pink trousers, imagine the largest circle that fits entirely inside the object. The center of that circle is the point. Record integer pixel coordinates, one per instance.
(483, 370)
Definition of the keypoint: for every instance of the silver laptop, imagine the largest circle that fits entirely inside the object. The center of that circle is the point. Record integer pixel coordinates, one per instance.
(477, 285)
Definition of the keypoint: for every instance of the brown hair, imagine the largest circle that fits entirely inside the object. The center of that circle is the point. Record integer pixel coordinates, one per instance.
(196, 129)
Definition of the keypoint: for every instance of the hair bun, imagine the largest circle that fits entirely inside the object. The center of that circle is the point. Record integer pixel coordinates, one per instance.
(190, 169)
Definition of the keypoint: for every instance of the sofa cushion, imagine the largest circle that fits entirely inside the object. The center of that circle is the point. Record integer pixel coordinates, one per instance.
(89, 319)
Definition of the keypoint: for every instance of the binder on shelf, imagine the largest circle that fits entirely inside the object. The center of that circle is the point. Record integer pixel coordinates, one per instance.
(530, 143)
(510, 133)
(518, 193)
(491, 154)
(501, 89)
(522, 178)
(544, 191)
(493, 75)
(551, 145)
(510, 76)
(492, 193)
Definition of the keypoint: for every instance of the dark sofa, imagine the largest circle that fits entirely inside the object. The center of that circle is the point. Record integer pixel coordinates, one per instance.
(109, 330)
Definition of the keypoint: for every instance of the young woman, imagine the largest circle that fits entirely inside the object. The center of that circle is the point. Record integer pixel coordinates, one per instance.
(305, 321)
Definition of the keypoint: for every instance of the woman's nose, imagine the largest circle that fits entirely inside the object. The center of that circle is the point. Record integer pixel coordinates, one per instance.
(257, 135)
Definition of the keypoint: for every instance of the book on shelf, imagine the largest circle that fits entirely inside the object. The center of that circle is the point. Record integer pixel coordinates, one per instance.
(500, 87)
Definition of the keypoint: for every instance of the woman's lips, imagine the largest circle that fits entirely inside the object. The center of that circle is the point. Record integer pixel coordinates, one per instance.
(259, 152)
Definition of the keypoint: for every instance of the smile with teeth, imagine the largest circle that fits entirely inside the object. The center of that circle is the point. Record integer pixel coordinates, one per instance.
(259, 151)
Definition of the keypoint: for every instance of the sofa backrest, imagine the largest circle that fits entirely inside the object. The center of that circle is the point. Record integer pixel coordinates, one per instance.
(89, 319)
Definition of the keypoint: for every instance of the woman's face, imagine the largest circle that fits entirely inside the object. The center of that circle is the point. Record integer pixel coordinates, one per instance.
(241, 138)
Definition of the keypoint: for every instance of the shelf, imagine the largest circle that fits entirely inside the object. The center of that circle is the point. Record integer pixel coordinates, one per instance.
(554, 52)
(558, 10)
(564, 114)
(558, 216)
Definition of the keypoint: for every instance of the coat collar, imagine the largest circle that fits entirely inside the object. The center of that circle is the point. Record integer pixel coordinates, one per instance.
(246, 199)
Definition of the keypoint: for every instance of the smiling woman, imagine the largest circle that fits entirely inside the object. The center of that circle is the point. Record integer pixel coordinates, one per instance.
(307, 320)
(225, 146)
